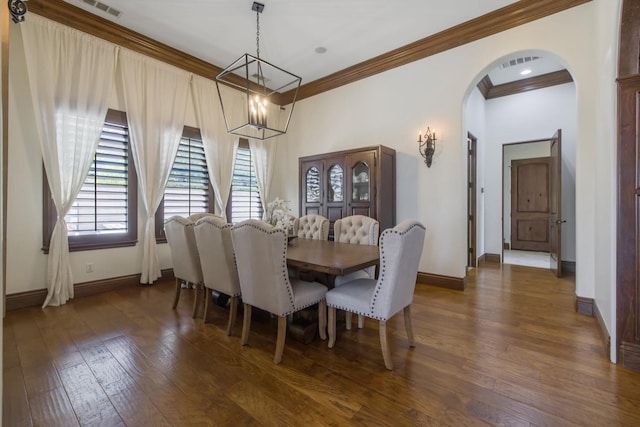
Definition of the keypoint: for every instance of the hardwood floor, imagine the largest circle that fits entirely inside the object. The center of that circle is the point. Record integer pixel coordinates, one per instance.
(509, 350)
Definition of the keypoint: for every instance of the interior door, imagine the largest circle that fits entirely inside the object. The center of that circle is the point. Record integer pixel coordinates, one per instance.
(555, 202)
(530, 204)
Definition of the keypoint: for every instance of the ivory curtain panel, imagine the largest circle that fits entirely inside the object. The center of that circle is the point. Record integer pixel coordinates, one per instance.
(71, 76)
(264, 157)
(155, 96)
(219, 146)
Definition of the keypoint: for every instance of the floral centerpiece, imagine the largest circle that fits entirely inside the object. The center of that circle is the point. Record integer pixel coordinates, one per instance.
(278, 215)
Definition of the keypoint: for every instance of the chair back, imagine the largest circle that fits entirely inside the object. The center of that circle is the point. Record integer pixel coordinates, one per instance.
(184, 252)
(356, 229)
(261, 255)
(215, 248)
(400, 252)
(198, 216)
(313, 227)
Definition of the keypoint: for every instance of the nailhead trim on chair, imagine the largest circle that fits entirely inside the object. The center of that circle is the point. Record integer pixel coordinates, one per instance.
(382, 271)
(284, 259)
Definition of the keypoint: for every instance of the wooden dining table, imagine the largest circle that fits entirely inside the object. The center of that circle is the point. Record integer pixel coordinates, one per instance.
(329, 257)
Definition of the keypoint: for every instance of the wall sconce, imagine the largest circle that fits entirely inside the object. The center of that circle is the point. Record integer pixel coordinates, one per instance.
(428, 146)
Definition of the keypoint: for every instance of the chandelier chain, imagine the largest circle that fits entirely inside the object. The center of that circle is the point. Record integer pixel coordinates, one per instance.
(258, 34)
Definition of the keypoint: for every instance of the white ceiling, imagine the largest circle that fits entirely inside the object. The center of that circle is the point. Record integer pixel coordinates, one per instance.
(352, 31)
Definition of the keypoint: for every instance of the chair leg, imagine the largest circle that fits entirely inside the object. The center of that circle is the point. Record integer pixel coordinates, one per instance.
(386, 353)
(196, 300)
(407, 325)
(347, 320)
(233, 312)
(322, 319)
(177, 296)
(208, 300)
(282, 334)
(246, 325)
(360, 321)
(332, 326)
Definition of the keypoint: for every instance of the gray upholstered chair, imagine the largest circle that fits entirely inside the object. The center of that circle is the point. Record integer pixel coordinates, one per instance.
(261, 256)
(400, 252)
(215, 248)
(184, 256)
(358, 230)
(313, 227)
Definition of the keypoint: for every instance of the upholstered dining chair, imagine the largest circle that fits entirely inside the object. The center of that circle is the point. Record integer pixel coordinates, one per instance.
(313, 227)
(261, 256)
(198, 216)
(358, 230)
(184, 256)
(219, 272)
(400, 252)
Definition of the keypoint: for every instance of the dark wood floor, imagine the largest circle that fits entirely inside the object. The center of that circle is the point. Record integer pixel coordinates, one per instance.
(510, 350)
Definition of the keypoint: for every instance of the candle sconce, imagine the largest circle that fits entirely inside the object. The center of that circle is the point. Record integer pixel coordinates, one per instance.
(428, 146)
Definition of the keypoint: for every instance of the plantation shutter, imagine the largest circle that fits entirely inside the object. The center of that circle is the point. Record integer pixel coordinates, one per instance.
(245, 196)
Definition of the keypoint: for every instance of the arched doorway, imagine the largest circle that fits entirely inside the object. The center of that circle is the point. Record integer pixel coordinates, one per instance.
(516, 109)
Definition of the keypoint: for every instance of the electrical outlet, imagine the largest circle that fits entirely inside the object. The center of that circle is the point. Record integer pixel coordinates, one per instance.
(89, 267)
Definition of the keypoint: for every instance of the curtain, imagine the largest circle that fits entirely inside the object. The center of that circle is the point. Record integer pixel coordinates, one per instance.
(71, 75)
(219, 146)
(155, 96)
(263, 154)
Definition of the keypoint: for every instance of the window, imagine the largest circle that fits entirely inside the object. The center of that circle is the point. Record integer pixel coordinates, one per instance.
(244, 198)
(188, 189)
(104, 215)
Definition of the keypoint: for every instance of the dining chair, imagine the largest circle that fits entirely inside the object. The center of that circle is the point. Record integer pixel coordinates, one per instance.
(358, 230)
(219, 272)
(313, 227)
(400, 252)
(261, 256)
(184, 256)
(198, 216)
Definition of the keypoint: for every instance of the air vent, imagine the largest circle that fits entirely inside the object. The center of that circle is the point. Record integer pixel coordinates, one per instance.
(518, 61)
(103, 7)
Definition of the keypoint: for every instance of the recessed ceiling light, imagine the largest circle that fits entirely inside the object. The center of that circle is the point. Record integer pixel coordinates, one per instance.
(321, 49)
(525, 72)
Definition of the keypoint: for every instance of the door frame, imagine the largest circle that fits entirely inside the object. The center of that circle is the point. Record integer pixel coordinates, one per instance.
(472, 203)
(510, 144)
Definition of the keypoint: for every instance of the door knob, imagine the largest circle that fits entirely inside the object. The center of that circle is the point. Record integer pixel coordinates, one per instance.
(560, 221)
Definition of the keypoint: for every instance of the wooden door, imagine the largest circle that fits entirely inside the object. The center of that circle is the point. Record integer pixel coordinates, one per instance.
(555, 203)
(361, 182)
(335, 191)
(530, 204)
(311, 184)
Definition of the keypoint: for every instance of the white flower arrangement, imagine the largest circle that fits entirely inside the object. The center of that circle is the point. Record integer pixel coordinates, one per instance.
(278, 215)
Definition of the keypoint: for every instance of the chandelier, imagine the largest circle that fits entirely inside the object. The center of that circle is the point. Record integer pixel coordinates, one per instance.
(254, 109)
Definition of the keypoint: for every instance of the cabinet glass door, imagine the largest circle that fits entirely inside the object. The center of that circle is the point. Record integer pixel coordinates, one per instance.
(360, 182)
(312, 182)
(335, 184)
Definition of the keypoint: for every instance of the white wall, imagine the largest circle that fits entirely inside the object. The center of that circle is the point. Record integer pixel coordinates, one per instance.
(529, 116)
(511, 152)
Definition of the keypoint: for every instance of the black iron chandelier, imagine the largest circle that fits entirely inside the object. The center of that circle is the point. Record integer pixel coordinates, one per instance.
(257, 113)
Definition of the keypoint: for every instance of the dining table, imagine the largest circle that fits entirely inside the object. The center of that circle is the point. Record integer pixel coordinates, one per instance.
(330, 257)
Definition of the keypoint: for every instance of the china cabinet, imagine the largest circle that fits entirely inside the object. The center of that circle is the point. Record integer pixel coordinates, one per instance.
(352, 182)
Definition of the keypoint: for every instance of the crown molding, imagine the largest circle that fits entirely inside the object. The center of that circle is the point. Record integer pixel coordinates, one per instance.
(499, 20)
(489, 91)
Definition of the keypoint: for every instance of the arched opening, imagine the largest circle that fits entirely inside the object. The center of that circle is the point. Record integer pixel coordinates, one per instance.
(513, 117)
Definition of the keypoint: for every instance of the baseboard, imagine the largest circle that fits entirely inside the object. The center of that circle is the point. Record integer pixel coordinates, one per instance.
(604, 333)
(36, 298)
(506, 246)
(569, 266)
(448, 282)
(491, 258)
(629, 355)
(584, 305)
